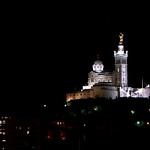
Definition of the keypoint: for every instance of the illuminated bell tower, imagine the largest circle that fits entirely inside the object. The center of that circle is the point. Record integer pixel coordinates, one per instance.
(121, 70)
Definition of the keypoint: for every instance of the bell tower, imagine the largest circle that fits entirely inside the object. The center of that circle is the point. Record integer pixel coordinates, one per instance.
(121, 66)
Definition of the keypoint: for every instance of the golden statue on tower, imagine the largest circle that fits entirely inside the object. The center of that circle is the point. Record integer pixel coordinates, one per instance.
(121, 37)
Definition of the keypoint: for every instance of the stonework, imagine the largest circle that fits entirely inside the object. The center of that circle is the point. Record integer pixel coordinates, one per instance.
(109, 84)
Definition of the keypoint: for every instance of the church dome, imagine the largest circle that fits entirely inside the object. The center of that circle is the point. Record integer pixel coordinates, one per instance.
(98, 62)
(98, 66)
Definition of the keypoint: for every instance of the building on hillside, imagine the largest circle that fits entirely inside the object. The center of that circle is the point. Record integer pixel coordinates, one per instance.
(109, 84)
(3, 131)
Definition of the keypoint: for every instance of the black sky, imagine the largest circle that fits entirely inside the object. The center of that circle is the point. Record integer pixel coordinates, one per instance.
(47, 51)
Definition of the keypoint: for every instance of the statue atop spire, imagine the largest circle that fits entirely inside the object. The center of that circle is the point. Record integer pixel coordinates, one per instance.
(121, 38)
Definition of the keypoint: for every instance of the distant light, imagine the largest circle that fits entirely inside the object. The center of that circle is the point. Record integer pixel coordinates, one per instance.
(63, 138)
(147, 123)
(95, 109)
(45, 105)
(3, 140)
(28, 132)
(149, 110)
(138, 122)
(132, 112)
(84, 125)
(48, 137)
(65, 105)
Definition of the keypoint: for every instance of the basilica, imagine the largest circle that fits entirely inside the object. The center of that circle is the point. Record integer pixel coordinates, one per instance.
(109, 84)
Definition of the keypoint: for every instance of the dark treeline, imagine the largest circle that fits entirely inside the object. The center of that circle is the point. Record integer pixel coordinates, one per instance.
(90, 123)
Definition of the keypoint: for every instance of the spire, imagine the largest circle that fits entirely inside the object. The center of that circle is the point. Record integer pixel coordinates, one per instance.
(121, 38)
(121, 47)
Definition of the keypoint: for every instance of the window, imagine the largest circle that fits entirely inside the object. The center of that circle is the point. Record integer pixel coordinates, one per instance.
(124, 61)
(117, 69)
(117, 61)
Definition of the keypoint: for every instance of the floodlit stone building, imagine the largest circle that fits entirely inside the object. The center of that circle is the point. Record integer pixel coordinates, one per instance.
(109, 84)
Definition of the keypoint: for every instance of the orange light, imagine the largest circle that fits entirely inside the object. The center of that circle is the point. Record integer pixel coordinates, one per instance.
(48, 137)
(147, 123)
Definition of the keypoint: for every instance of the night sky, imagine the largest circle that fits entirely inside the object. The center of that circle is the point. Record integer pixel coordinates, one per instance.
(46, 52)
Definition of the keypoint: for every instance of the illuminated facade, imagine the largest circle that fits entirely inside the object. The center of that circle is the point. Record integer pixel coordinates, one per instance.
(109, 84)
